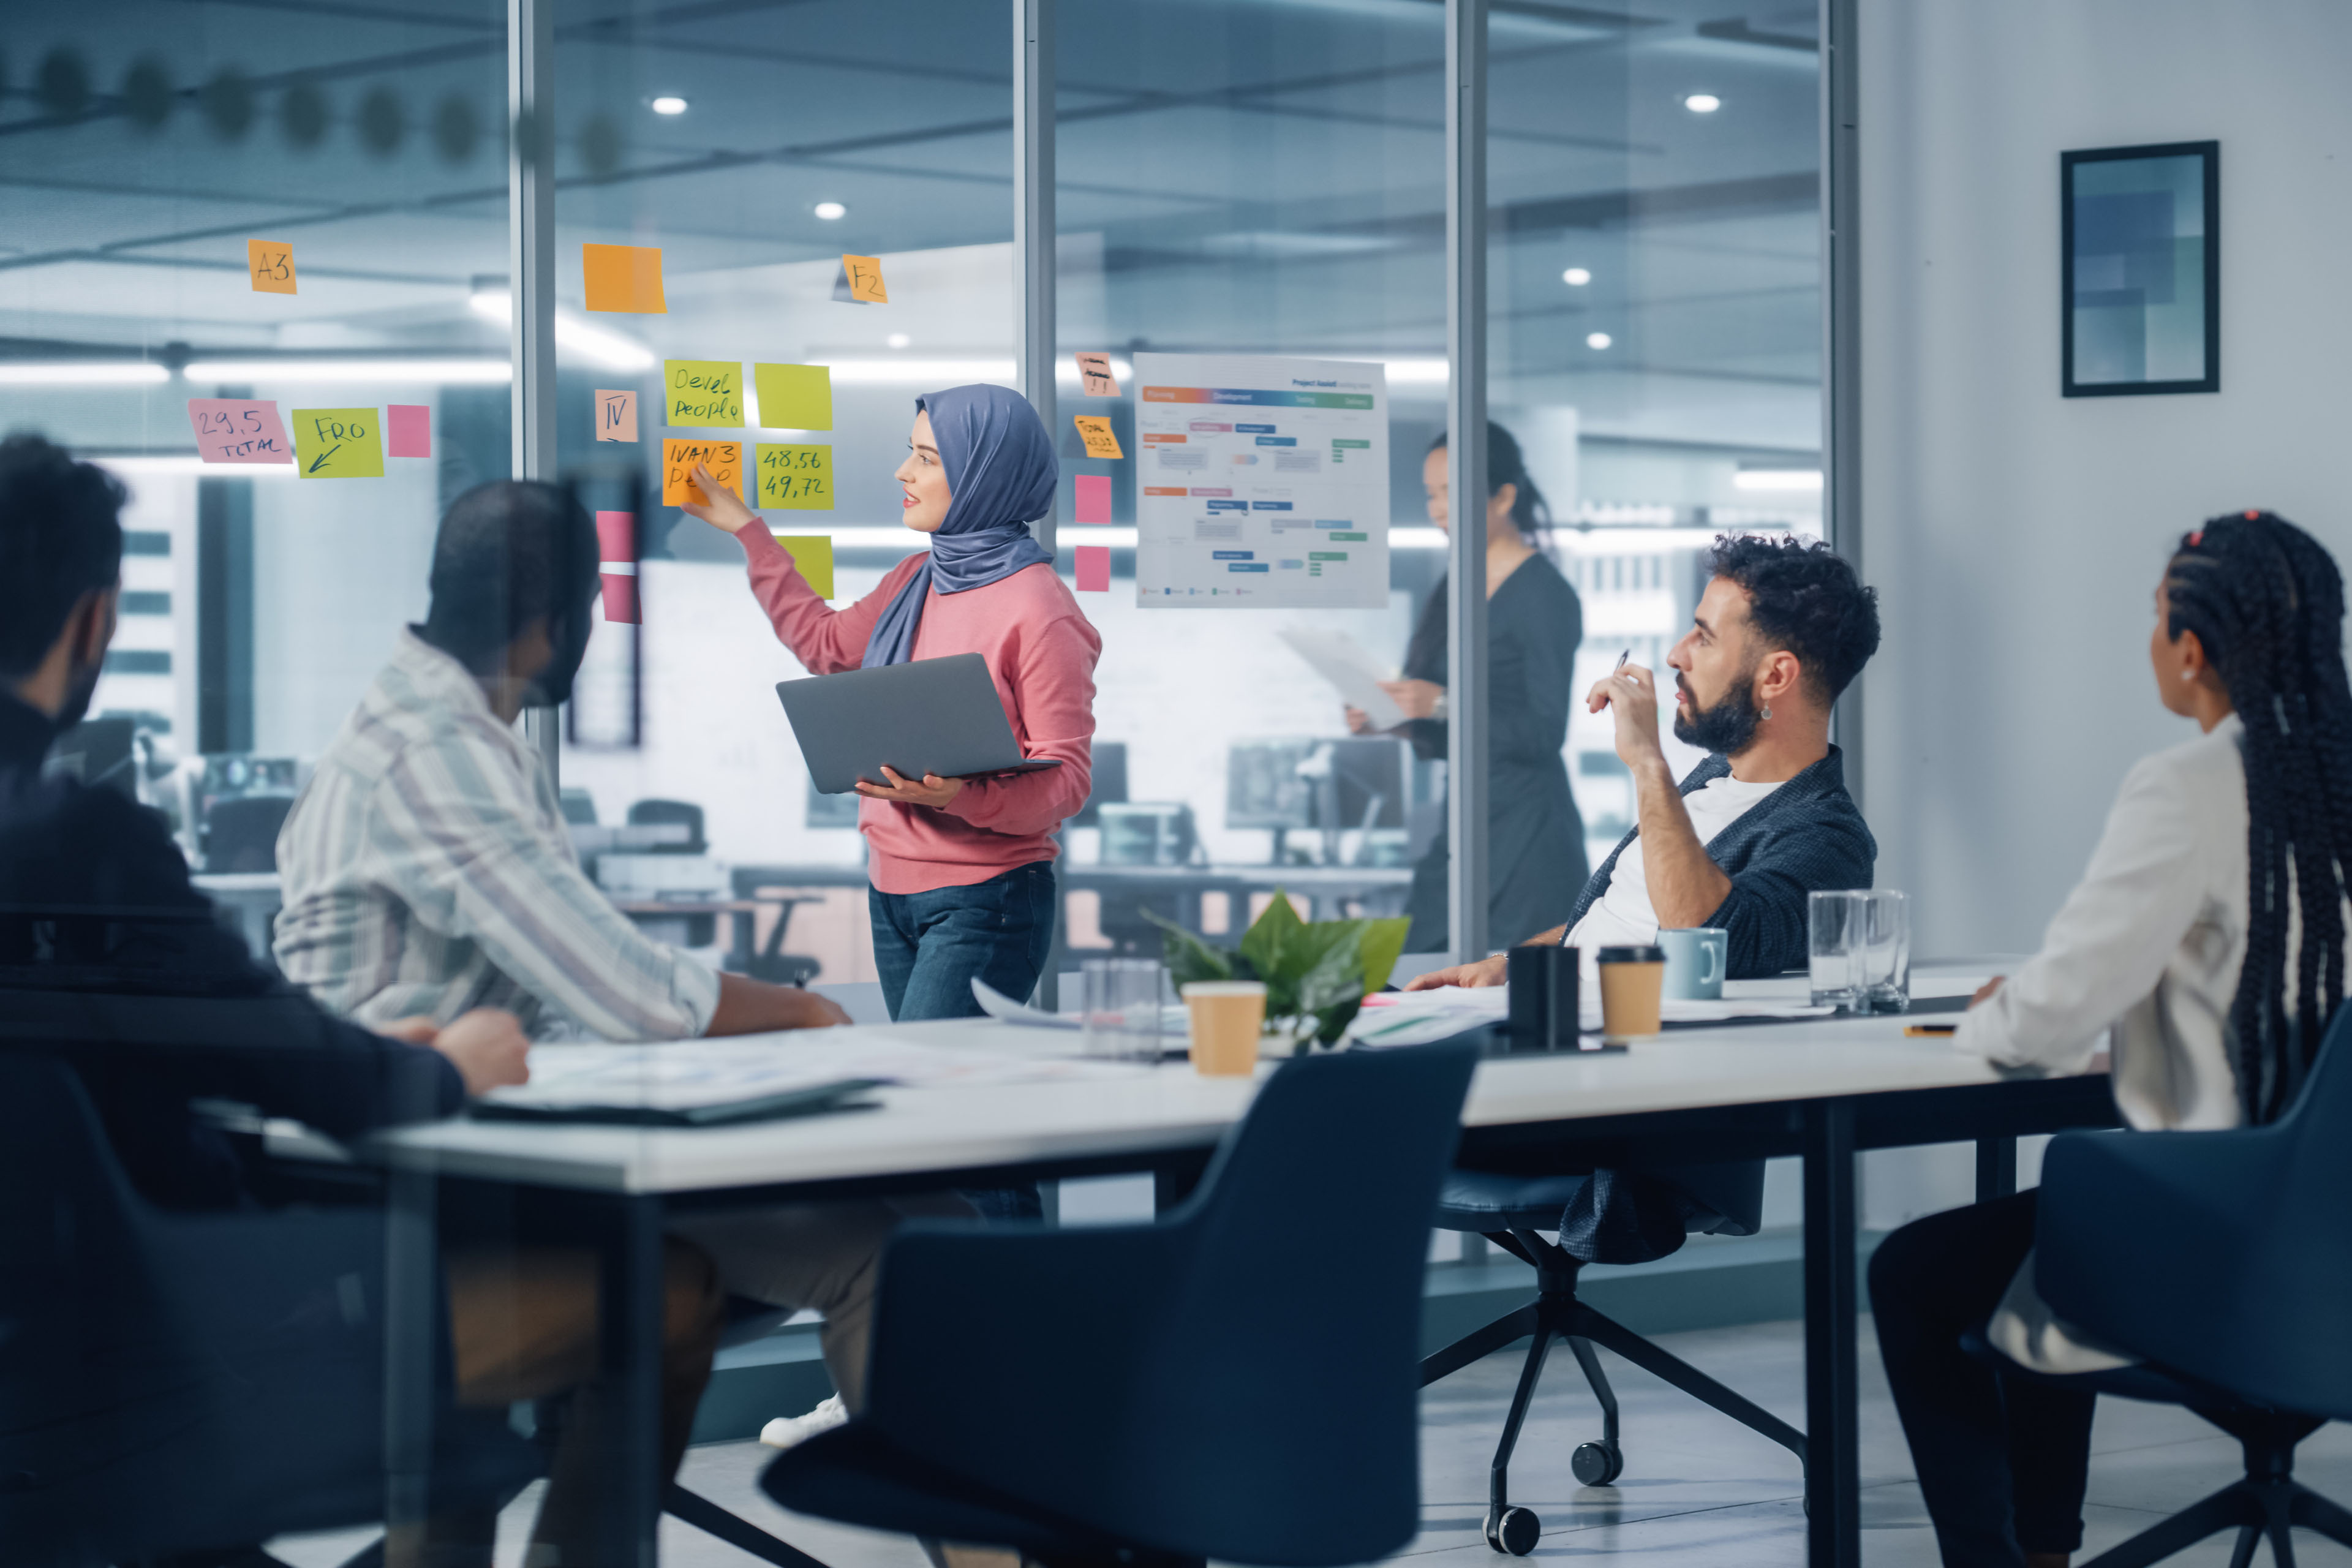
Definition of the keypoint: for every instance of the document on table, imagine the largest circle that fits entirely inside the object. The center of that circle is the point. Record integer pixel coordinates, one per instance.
(1355, 674)
(1417, 1017)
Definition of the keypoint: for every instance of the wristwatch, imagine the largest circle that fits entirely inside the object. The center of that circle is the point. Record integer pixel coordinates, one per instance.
(1437, 710)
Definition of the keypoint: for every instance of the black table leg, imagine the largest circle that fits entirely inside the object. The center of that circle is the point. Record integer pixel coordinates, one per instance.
(1995, 1168)
(412, 1312)
(630, 1328)
(1833, 1458)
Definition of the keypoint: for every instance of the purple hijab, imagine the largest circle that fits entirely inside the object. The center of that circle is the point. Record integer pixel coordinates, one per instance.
(1001, 474)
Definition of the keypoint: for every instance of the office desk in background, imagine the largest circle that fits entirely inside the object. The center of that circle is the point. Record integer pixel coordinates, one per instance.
(1823, 1089)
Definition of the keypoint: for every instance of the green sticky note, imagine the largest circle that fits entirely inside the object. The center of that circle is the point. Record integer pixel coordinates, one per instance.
(794, 397)
(1326, 555)
(338, 443)
(799, 479)
(702, 392)
(812, 554)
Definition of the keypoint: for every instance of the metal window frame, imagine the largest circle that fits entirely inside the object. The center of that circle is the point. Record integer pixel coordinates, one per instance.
(530, 268)
(1842, 519)
(1465, 475)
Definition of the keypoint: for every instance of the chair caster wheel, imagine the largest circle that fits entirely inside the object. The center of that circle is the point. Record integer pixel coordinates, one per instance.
(1597, 1463)
(1515, 1532)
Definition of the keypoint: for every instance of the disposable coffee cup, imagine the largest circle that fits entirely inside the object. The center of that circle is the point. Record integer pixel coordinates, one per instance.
(1227, 1016)
(1632, 980)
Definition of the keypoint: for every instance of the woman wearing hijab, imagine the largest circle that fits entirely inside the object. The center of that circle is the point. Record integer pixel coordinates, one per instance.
(960, 870)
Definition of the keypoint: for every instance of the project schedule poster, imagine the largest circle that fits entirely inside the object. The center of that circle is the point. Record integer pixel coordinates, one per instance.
(1262, 482)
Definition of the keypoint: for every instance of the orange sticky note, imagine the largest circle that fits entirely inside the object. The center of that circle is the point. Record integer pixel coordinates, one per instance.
(1094, 373)
(863, 277)
(624, 278)
(271, 262)
(1095, 430)
(725, 459)
(616, 415)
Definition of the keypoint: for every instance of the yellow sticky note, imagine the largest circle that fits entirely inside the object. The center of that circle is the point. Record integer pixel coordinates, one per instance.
(1095, 430)
(864, 276)
(702, 392)
(794, 397)
(338, 443)
(799, 477)
(624, 278)
(271, 262)
(812, 554)
(724, 459)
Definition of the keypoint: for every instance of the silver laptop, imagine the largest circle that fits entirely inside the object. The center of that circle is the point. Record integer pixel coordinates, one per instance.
(930, 716)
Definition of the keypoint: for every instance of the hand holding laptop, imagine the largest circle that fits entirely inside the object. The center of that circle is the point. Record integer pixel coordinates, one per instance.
(933, 791)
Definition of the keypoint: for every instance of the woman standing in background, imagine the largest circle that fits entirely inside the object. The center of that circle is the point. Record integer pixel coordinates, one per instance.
(1535, 839)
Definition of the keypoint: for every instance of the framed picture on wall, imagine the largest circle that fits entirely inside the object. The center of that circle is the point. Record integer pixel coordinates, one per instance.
(2141, 298)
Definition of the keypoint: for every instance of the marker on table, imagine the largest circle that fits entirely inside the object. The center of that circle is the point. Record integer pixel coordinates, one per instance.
(1929, 1031)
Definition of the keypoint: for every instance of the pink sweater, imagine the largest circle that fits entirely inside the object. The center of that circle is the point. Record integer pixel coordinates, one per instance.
(1042, 652)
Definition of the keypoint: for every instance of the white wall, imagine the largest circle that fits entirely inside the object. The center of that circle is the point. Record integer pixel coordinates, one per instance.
(2016, 535)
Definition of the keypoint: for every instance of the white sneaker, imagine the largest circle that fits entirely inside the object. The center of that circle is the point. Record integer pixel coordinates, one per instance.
(786, 1430)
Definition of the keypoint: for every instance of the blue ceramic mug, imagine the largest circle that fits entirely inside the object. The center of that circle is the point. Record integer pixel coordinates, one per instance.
(1695, 961)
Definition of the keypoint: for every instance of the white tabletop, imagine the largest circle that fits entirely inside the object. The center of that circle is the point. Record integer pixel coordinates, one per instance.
(1149, 1110)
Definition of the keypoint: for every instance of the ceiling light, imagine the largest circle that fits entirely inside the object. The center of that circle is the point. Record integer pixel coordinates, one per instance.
(191, 468)
(669, 106)
(1576, 277)
(1598, 339)
(830, 210)
(94, 373)
(898, 340)
(1425, 371)
(1702, 103)
(446, 371)
(603, 349)
(937, 372)
(1776, 480)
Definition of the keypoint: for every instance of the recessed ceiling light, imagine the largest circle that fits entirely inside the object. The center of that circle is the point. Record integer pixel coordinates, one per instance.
(669, 106)
(829, 211)
(1576, 277)
(1702, 103)
(898, 340)
(1598, 339)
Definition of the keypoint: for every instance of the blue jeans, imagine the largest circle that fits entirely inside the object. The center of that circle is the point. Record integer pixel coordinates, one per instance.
(931, 946)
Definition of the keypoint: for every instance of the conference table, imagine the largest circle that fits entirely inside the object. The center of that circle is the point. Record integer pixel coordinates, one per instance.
(1821, 1089)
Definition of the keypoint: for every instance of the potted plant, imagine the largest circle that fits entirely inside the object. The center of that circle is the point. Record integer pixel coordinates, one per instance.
(1317, 973)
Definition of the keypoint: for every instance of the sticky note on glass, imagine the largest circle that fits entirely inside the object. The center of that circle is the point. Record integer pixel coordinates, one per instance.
(812, 554)
(702, 392)
(408, 430)
(627, 279)
(1094, 497)
(1093, 374)
(271, 262)
(1094, 429)
(794, 397)
(1094, 568)
(798, 478)
(616, 415)
(621, 598)
(239, 430)
(338, 443)
(860, 281)
(723, 458)
(616, 537)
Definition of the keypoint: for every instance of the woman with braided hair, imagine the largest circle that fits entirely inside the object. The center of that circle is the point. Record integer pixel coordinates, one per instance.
(2207, 943)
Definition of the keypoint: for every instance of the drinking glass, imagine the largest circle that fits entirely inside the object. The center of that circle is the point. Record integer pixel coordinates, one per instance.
(1123, 1002)
(1883, 949)
(1834, 922)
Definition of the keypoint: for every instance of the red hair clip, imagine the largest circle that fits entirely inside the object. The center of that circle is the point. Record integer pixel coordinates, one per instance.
(2195, 539)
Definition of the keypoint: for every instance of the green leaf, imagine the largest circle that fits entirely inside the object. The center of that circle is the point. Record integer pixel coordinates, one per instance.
(1333, 1021)
(1383, 941)
(1337, 976)
(1264, 943)
(1187, 956)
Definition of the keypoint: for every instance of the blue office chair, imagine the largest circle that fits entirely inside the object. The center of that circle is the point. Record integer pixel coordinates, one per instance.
(1201, 1386)
(1603, 1216)
(180, 1384)
(2225, 1260)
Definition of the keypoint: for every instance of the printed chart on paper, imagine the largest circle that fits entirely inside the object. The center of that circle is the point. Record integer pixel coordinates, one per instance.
(1261, 482)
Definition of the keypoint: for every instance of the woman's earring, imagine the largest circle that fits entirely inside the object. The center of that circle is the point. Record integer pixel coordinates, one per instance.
(2188, 675)
(1768, 710)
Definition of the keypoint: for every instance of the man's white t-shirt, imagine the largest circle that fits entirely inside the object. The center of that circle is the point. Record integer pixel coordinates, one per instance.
(1621, 916)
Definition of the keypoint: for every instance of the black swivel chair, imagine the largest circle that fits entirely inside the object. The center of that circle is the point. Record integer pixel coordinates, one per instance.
(2225, 1260)
(176, 1383)
(1161, 1394)
(240, 832)
(700, 930)
(1616, 1217)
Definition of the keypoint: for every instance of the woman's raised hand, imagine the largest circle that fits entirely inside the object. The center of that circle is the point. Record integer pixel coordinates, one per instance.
(722, 508)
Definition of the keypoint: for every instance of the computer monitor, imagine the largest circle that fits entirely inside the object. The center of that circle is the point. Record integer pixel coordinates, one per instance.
(1109, 782)
(1262, 787)
(1370, 773)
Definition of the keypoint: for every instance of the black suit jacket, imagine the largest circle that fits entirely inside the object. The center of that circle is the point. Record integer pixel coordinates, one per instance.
(109, 954)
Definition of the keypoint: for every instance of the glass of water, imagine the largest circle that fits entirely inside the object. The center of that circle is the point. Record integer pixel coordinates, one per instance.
(1833, 924)
(1124, 998)
(1883, 946)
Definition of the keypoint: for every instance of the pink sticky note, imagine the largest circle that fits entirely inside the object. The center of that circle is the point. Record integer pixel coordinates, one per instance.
(616, 536)
(1094, 497)
(621, 598)
(239, 430)
(409, 429)
(1094, 568)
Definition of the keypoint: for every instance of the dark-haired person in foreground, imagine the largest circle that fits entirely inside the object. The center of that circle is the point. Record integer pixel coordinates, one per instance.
(108, 952)
(2213, 999)
(1784, 625)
